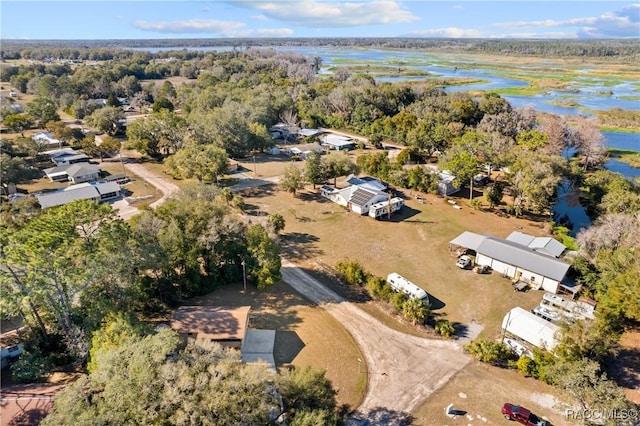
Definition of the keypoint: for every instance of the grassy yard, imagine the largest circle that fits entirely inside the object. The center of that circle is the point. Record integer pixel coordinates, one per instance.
(479, 390)
(416, 245)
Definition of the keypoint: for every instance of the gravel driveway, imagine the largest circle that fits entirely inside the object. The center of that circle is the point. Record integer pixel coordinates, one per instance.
(403, 370)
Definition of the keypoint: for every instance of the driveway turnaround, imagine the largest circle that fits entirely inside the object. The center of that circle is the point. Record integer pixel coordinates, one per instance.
(403, 370)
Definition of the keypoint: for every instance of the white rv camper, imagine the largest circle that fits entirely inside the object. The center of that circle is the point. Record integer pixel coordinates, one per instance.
(380, 209)
(400, 283)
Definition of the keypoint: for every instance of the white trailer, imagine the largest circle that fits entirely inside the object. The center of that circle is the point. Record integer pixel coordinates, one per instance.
(400, 283)
(380, 209)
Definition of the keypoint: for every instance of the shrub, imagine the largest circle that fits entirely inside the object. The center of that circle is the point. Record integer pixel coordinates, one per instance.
(527, 366)
(352, 272)
(30, 367)
(476, 204)
(494, 353)
(397, 300)
(376, 286)
(445, 328)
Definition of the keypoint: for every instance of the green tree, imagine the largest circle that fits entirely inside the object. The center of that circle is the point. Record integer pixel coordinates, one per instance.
(292, 179)
(445, 328)
(276, 223)
(18, 122)
(338, 165)
(313, 171)
(46, 266)
(595, 340)
(117, 330)
(42, 110)
(264, 265)
(15, 170)
(582, 380)
(494, 195)
(149, 381)
(462, 164)
(107, 119)
(162, 103)
(203, 162)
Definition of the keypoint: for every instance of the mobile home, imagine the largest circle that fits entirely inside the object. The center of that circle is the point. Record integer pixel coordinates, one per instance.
(401, 284)
(382, 208)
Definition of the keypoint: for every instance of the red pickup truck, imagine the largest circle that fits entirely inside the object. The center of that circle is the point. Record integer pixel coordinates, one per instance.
(522, 415)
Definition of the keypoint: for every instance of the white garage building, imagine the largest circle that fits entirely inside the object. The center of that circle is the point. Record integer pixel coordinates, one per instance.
(516, 261)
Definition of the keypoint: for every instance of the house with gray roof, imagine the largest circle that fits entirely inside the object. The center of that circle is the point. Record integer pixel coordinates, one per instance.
(75, 173)
(98, 191)
(357, 197)
(516, 261)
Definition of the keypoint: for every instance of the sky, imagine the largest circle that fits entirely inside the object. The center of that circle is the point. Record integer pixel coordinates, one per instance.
(171, 19)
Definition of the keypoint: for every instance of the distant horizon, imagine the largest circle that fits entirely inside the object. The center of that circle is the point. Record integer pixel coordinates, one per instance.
(318, 19)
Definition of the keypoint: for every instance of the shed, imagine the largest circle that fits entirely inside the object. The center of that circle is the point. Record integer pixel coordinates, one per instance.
(258, 346)
(223, 324)
(530, 328)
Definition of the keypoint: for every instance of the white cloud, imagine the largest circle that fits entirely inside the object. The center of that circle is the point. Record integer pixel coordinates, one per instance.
(211, 26)
(621, 23)
(191, 26)
(314, 13)
(457, 7)
(454, 32)
(259, 18)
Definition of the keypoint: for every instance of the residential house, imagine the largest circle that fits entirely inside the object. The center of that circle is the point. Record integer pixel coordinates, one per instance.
(358, 197)
(516, 261)
(65, 159)
(46, 139)
(75, 173)
(337, 142)
(223, 324)
(98, 191)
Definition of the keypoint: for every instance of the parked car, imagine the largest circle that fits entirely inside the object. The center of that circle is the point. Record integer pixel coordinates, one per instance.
(464, 262)
(480, 179)
(522, 415)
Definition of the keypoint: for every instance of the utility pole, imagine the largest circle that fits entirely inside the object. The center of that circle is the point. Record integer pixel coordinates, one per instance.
(244, 276)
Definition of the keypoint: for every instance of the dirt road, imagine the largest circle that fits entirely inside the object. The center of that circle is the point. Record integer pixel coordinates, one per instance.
(158, 181)
(402, 370)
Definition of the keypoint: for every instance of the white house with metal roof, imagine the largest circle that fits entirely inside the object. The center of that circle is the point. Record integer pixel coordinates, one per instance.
(75, 173)
(98, 191)
(515, 260)
(337, 142)
(530, 329)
